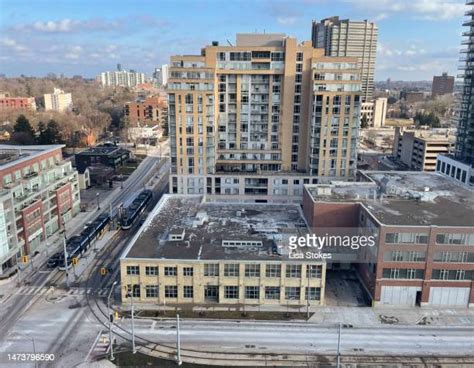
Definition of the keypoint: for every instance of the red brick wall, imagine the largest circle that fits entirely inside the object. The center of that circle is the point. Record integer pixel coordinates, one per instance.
(27, 225)
(20, 166)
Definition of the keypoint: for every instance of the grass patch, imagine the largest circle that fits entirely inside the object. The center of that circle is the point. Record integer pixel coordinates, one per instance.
(233, 314)
(127, 359)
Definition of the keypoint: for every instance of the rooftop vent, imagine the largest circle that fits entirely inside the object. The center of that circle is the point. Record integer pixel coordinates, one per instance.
(176, 234)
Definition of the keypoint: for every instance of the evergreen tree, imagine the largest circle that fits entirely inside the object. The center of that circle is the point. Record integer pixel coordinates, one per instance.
(23, 132)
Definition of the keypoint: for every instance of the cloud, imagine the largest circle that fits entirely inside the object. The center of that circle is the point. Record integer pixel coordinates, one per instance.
(286, 14)
(286, 21)
(97, 24)
(419, 9)
(411, 60)
(12, 45)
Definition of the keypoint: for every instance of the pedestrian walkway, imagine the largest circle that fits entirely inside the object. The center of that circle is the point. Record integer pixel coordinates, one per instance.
(35, 290)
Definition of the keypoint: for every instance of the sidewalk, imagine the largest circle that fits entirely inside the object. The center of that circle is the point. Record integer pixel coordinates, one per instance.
(355, 316)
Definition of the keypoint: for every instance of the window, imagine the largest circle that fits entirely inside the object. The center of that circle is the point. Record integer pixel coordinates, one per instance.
(133, 270)
(293, 271)
(402, 273)
(455, 257)
(313, 271)
(151, 291)
(273, 270)
(188, 271)
(252, 292)
(170, 271)
(299, 68)
(151, 270)
(231, 270)
(457, 275)
(456, 239)
(406, 238)
(299, 56)
(313, 292)
(252, 270)
(211, 270)
(231, 292)
(272, 292)
(136, 291)
(188, 292)
(292, 293)
(171, 291)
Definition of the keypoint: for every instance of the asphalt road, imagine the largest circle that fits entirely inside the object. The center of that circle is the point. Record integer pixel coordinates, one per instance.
(274, 337)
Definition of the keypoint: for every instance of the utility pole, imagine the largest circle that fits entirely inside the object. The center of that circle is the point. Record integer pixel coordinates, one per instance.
(18, 269)
(339, 347)
(98, 202)
(111, 341)
(178, 342)
(65, 259)
(134, 350)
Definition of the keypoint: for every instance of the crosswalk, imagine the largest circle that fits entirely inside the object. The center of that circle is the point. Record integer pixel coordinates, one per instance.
(102, 344)
(34, 290)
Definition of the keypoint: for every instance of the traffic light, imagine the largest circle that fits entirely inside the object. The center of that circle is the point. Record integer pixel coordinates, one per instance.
(24, 259)
(75, 261)
(103, 271)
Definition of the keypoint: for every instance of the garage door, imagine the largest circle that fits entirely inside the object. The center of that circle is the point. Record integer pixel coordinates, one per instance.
(449, 296)
(399, 295)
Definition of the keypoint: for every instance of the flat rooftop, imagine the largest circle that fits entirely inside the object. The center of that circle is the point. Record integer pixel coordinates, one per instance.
(102, 151)
(216, 231)
(404, 198)
(15, 154)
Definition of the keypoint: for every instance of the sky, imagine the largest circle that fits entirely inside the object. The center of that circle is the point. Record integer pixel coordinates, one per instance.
(417, 38)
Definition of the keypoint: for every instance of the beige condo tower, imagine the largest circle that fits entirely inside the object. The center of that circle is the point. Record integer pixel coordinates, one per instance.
(258, 120)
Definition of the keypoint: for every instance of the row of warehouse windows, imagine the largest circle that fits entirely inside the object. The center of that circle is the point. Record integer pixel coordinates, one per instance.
(233, 270)
(230, 292)
(420, 238)
(419, 274)
(414, 256)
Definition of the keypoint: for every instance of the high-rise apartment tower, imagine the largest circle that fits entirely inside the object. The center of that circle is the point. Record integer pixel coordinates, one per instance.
(344, 37)
(261, 118)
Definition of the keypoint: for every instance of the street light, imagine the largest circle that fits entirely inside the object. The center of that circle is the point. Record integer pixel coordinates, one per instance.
(98, 203)
(110, 321)
(65, 253)
(130, 294)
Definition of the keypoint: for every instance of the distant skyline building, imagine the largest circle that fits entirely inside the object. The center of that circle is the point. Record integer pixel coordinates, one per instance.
(17, 103)
(160, 75)
(345, 37)
(121, 78)
(375, 112)
(442, 85)
(57, 101)
(257, 120)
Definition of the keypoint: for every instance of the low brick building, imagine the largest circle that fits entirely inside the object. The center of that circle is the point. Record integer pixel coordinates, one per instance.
(424, 224)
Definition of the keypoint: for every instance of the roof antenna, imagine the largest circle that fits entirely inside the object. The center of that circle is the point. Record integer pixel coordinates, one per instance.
(230, 44)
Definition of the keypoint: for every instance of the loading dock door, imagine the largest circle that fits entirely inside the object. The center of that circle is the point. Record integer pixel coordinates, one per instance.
(452, 296)
(399, 295)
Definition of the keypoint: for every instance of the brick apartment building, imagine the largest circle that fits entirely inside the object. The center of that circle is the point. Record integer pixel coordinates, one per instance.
(425, 228)
(150, 110)
(39, 191)
(17, 103)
